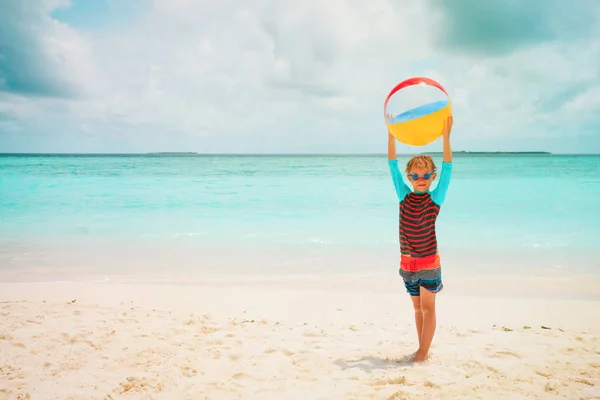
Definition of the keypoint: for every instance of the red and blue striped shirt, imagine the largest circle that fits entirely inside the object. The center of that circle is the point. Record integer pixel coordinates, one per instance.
(418, 212)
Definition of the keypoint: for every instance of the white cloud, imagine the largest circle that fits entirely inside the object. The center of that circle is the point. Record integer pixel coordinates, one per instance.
(265, 75)
(40, 56)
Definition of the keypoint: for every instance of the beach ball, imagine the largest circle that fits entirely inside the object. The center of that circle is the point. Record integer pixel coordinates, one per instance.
(415, 111)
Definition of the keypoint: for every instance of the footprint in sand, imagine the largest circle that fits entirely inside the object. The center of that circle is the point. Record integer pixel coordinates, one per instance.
(583, 381)
(587, 374)
(6, 336)
(314, 334)
(494, 370)
(137, 385)
(463, 334)
(502, 354)
(552, 386)
(11, 372)
(399, 396)
(401, 380)
(188, 371)
(543, 374)
(240, 375)
(205, 330)
(473, 364)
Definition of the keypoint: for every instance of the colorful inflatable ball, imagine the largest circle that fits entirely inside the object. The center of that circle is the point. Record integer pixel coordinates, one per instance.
(415, 111)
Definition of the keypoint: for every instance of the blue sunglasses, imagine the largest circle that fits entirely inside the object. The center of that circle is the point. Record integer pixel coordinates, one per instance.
(416, 177)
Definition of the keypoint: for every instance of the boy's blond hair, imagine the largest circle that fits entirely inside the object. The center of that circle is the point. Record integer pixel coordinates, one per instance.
(422, 160)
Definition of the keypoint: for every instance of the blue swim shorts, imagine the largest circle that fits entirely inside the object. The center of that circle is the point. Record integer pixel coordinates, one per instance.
(430, 279)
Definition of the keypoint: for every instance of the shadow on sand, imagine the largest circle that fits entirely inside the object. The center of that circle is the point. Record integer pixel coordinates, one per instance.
(374, 363)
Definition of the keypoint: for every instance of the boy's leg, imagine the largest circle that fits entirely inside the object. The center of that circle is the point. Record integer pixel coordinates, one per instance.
(414, 290)
(416, 300)
(429, 324)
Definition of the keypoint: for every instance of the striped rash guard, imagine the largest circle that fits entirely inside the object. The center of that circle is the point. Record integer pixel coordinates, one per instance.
(418, 212)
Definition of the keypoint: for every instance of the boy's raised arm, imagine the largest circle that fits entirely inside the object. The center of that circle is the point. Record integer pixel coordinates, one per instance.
(439, 194)
(401, 187)
(391, 147)
(446, 134)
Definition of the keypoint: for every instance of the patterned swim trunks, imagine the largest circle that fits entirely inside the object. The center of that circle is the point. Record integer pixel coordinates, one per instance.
(421, 272)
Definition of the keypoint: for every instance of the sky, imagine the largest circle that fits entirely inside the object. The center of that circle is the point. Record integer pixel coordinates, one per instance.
(283, 76)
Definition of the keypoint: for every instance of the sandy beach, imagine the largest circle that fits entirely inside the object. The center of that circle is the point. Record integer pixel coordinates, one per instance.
(277, 340)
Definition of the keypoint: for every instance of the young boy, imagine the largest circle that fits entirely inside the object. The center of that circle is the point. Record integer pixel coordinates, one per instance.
(418, 210)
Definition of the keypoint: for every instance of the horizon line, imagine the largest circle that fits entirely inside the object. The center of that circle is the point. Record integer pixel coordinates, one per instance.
(192, 154)
(176, 153)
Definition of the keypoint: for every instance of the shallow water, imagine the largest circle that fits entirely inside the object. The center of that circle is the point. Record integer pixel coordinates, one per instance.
(284, 214)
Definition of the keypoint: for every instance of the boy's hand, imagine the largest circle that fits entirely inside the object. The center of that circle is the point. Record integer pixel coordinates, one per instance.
(448, 127)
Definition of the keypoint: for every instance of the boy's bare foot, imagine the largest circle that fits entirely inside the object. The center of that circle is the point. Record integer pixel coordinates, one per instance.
(419, 357)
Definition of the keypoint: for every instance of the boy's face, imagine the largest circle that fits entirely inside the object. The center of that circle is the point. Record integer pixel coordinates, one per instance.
(421, 177)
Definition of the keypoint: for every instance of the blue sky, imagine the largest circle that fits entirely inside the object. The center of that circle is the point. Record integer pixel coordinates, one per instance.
(285, 76)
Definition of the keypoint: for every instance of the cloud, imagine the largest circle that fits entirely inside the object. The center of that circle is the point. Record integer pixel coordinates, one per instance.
(283, 76)
(40, 56)
(261, 70)
(496, 28)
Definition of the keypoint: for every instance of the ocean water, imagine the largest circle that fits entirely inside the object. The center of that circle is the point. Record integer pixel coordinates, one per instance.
(84, 217)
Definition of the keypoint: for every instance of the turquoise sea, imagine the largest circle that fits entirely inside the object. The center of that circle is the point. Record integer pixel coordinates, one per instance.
(104, 216)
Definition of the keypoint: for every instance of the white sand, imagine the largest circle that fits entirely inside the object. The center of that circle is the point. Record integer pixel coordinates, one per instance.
(113, 341)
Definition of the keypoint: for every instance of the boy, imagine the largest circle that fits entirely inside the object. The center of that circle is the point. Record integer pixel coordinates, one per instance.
(418, 210)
